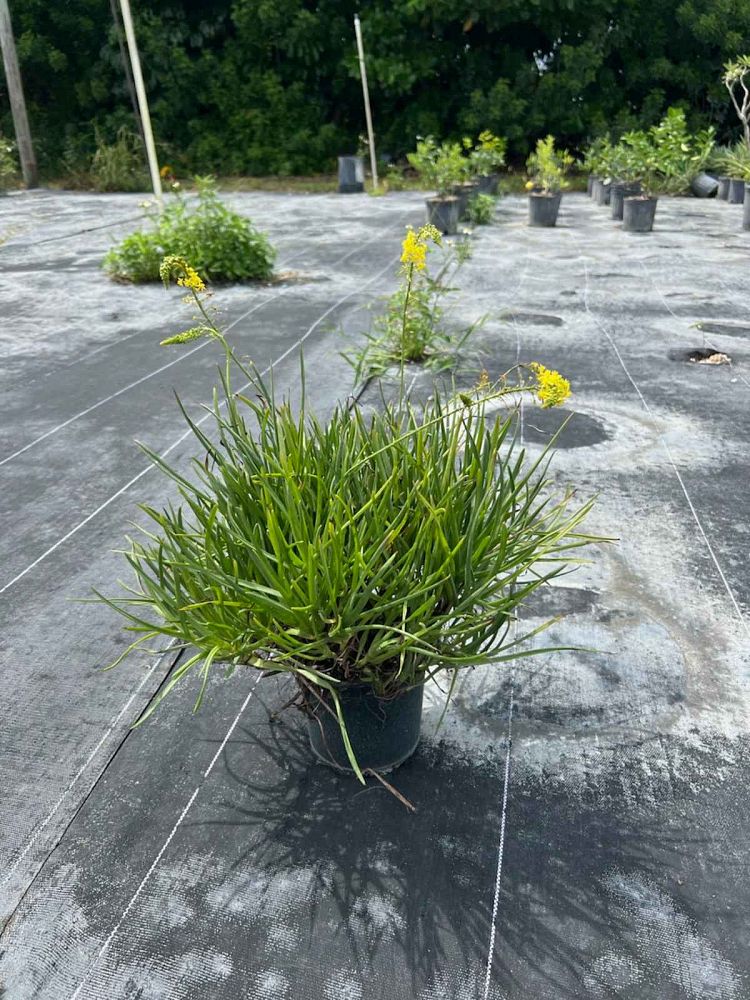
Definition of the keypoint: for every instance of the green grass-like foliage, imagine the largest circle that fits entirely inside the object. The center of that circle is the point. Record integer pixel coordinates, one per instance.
(220, 244)
(378, 549)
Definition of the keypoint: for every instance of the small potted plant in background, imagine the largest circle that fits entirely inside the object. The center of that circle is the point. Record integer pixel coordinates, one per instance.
(639, 209)
(547, 167)
(486, 158)
(718, 163)
(736, 162)
(591, 163)
(440, 167)
(352, 169)
(627, 182)
(601, 188)
(682, 155)
(357, 558)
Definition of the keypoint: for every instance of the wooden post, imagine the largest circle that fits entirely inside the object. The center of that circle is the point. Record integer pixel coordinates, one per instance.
(140, 90)
(17, 102)
(366, 94)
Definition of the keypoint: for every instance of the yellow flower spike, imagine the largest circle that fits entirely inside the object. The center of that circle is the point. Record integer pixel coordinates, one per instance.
(529, 185)
(414, 251)
(551, 388)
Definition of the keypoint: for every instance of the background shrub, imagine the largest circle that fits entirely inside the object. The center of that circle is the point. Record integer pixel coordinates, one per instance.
(273, 87)
(220, 244)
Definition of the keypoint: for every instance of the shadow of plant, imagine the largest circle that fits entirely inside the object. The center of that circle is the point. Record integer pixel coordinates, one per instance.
(592, 871)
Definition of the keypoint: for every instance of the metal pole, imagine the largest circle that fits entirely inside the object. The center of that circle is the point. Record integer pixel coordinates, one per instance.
(17, 103)
(366, 94)
(140, 90)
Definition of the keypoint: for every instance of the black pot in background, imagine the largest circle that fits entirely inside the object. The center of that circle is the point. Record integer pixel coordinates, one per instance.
(383, 732)
(351, 174)
(543, 208)
(487, 183)
(603, 192)
(746, 208)
(464, 192)
(704, 185)
(736, 195)
(590, 184)
(723, 191)
(443, 213)
(620, 191)
(638, 214)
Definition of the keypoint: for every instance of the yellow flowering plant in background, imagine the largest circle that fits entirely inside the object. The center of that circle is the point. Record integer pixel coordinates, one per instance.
(410, 330)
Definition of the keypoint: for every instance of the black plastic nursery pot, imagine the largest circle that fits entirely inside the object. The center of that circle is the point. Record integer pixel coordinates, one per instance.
(465, 192)
(620, 191)
(487, 183)
(383, 732)
(638, 214)
(723, 189)
(603, 192)
(351, 174)
(703, 185)
(746, 208)
(543, 208)
(736, 193)
(443, 214)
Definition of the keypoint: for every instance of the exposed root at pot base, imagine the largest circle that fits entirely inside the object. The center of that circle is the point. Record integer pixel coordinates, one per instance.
(394, 791)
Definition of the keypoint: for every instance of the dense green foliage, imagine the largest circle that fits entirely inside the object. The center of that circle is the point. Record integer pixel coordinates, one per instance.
(664, 158)
(481, 209)
(222, 245)
(271, 85)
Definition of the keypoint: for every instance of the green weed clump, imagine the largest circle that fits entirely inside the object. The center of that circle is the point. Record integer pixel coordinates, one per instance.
(481, 209)
(222, 245)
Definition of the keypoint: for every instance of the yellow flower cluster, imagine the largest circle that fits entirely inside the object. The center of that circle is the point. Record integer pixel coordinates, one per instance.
(192, 280)
(186, 276)
(551, 388)
(414, 248)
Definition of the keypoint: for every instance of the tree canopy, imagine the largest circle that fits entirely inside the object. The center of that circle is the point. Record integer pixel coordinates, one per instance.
(272, 86)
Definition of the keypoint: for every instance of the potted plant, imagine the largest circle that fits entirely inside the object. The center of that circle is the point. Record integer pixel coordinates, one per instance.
(357, 558)
(682, 156)
(718, 163)
(625, 181)
(485, 160)
(441, 167)
(643, 166)
(592, 163)
(602, 187)
(737, 166)
(547, 167)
